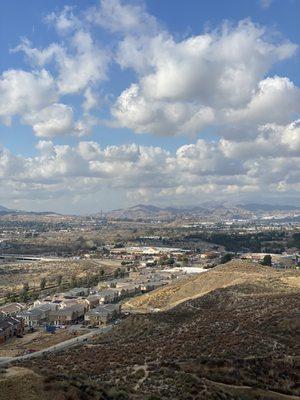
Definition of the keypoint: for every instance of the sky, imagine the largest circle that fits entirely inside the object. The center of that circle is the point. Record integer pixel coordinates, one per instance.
(106, 104)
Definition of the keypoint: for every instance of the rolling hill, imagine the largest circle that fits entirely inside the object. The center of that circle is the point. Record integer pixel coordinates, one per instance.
(211, 210)
(146, 212)
(7, 211)
(4, 209)
(233, 273)
(267, 207)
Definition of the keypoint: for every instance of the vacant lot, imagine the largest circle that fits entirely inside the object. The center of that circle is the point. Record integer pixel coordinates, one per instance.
(38, 340)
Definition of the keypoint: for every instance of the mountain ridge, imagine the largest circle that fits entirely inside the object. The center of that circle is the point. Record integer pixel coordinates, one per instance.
(6, 211)
(247, 210)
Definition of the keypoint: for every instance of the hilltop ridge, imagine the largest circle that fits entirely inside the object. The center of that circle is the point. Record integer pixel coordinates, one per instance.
(235, 272)
(204, 210)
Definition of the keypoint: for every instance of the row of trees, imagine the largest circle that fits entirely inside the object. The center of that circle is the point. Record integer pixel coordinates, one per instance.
(28, 293)
(267, 260)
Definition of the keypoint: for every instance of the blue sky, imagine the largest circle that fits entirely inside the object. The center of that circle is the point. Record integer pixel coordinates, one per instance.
(145, 54)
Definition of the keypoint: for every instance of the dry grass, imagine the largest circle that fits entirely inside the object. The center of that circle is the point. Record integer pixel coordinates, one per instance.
(37, 340)
(233, 273)
(13, 275)
(21, 383)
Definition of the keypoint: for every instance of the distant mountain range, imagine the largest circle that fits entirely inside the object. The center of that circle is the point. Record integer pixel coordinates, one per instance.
(142, 211)
(267, 207)
(5, 211)
(211, 209)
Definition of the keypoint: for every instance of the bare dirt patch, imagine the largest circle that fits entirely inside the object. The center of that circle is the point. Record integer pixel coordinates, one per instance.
(37, 341)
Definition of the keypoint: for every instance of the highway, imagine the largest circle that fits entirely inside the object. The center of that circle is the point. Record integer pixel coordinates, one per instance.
(58, 347)
(23, 257)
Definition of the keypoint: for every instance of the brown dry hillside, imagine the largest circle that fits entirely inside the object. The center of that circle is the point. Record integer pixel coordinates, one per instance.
(230, 274)
(19, 383)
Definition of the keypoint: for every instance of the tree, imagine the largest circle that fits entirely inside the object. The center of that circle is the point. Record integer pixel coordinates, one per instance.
(101, 274)
(162, 260)
(170, 261)
(8, 296)
(122, 273)
(33, 296)
(73, 281)
(59, 280)
(117, 272)
(267, 260)
(185, 259)
(226, 258)
(24, 295)
(43, 283)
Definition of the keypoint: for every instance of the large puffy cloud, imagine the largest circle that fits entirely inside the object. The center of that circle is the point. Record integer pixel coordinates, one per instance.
(276, 101)
(32, 96)
(136, 112)
(79, 65)
(120, 17)
(217, 78)
(213, 68)
(10, 165)
(87, 66)
(207, 158)
(55, 120)
(291, 136)
(152, 173)
(22, 92)
(82, 64)
(272, 141)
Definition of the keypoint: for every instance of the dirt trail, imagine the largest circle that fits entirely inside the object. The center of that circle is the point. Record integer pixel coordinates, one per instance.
(248, 392)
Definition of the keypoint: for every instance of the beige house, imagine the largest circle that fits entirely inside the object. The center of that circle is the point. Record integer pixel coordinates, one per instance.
(67, 315)
(37, 315)
(102, 314)
(128, 288)
(93, 300)
(109, 295)
(73, 302)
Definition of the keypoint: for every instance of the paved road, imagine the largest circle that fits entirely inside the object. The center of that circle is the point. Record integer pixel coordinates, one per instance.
(58, 347)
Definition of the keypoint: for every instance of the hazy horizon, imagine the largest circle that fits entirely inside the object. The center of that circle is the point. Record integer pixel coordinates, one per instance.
(178, 206)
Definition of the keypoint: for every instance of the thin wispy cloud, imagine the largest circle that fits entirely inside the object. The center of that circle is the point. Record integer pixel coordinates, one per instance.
(266, 3)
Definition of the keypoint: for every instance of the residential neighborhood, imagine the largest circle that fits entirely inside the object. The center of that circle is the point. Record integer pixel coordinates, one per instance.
(85, 306)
